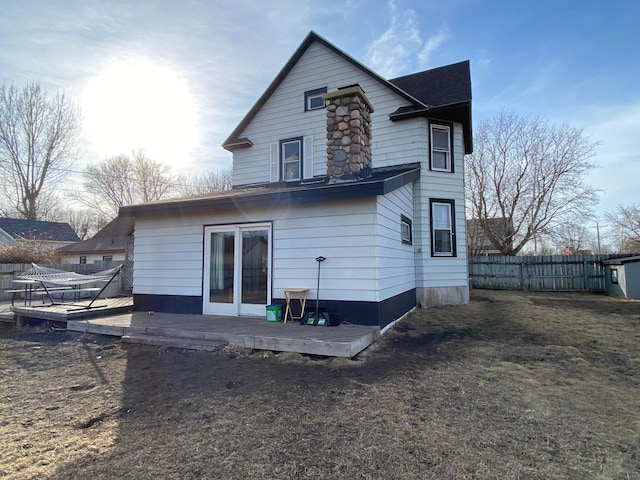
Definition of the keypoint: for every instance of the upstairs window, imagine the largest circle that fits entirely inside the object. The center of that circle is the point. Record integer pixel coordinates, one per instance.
(291, 153)
(443, 233)
(441, 158)
(313, 99)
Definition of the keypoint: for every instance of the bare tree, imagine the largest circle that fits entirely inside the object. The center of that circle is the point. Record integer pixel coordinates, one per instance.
(625, 221)
(38, 143)
(123, 180)
(577, 238)
(203, 183)
(531, 172)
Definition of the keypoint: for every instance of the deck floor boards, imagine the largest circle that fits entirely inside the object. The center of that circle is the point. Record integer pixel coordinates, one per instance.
(345, 340)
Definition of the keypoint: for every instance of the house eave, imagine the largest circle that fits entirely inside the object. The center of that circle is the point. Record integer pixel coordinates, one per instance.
(277, 196)
(456, 112)
(243, 142)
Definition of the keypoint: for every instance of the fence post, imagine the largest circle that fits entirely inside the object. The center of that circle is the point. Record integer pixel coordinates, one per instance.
(522, 287)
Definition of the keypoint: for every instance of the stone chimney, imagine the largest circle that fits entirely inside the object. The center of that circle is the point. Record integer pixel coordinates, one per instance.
(348, 134)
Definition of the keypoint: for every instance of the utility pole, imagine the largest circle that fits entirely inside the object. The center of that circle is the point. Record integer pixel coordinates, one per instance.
(598, 235)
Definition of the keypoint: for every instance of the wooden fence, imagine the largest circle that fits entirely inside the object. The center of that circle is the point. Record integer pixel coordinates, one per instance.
(584, 273)
(8, 271)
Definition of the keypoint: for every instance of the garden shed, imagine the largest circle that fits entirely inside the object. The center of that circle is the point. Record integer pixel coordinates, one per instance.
(623, 277)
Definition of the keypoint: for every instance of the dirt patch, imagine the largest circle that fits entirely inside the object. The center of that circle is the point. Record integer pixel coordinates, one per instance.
(513, 385)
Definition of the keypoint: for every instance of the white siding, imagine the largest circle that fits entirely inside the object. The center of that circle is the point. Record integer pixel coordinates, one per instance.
(283, 116)
(366, 259)
(169, 251)
(92, 258)
(395, 260)
(441, 271)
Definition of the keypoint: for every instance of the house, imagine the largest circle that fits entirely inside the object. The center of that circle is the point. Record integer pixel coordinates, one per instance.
(622, 277)
(335, 161)
(48, 234)
(478, 242)
(108, 245)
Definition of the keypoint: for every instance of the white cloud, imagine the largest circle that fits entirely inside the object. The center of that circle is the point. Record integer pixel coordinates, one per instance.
(617, 158)
(430, 47)
(401, 48)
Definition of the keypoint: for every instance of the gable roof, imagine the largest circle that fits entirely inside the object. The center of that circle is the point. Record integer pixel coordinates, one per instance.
(21, 228)
(112, 238)
(444, 92)
(440, 86)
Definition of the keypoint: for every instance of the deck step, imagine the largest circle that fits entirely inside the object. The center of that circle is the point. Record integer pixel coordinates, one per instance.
(187, 343)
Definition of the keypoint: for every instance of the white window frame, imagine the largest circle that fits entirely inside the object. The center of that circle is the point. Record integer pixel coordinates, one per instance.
(447, 151)
(311, 95)
(276, 163)
(451, 228)
(406, 230)
(286, 162)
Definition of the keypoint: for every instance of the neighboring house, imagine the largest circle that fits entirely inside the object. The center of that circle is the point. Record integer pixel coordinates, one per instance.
(478, 242)
(335, 161)
(48, 234)
(109, 244)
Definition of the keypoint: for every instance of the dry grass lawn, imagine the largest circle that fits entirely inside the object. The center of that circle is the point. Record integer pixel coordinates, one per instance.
(511, 386)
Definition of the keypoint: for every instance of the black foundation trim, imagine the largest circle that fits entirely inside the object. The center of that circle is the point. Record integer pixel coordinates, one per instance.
(360, 313)
(168, 303)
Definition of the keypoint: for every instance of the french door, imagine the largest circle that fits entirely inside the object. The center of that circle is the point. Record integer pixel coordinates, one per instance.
(237, 269)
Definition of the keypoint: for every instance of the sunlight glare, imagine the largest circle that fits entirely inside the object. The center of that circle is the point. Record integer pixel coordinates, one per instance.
(139, 104)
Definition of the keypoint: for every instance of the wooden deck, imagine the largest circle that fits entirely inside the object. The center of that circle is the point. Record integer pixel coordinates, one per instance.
(72, 311)
(207, 332)
(113, 316)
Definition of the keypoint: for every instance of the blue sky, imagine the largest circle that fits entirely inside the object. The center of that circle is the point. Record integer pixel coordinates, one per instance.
(569, 61)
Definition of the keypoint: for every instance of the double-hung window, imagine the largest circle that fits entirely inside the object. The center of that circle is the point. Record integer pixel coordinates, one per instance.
(291, 154)
(441, 158)
(443, 242)
(291, 159)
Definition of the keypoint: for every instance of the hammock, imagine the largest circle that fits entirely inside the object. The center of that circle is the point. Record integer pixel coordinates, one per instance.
(64, 278)
(51, 276)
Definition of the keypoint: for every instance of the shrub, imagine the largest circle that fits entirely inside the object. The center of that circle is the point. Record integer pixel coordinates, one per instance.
(28, 251)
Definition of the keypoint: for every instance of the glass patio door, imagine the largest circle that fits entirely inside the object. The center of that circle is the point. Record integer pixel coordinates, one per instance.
(237, 269)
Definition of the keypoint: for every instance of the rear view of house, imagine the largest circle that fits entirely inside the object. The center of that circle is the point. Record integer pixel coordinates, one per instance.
(334, 161)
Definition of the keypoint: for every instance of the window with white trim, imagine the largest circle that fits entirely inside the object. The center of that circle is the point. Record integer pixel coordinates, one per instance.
(291, 159)
(441, 158)
(291, 155)
(443, 235)
(313, 99)
(406, 228)
(83, 260)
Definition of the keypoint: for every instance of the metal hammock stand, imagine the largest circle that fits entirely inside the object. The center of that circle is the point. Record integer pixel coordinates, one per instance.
(51, 276)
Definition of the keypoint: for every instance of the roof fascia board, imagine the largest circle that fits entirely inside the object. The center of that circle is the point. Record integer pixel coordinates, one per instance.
(281, 198)
(432, 112)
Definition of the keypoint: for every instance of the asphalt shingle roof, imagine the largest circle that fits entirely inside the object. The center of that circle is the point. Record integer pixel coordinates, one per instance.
(112, 238)
(440, 86)
(38, 230)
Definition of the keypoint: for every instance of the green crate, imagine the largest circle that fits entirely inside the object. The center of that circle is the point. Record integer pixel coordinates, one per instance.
(274, 313)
